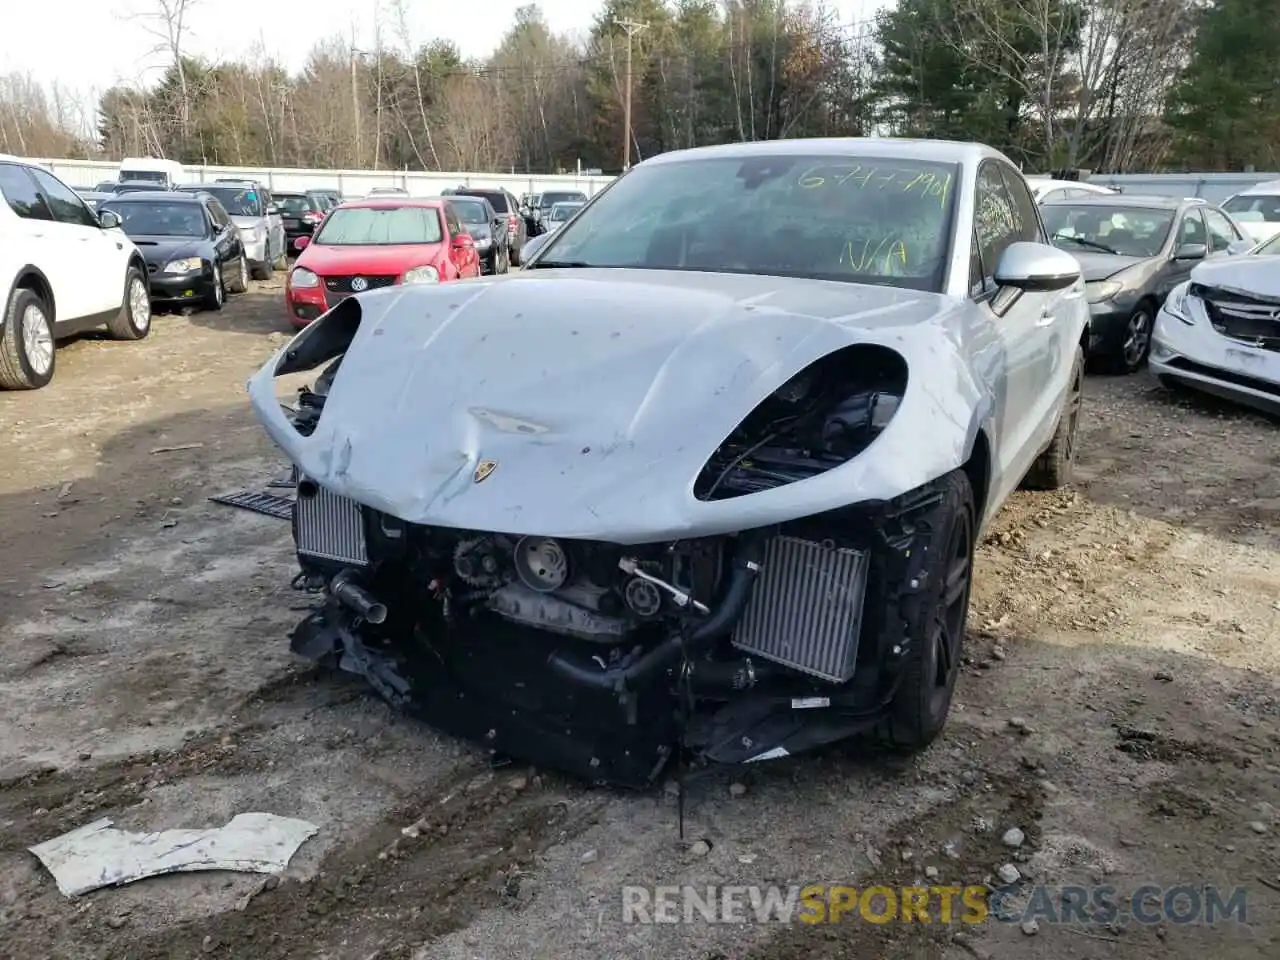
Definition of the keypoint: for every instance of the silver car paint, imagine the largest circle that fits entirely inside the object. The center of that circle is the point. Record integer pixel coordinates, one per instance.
(1199, 342)
(601, 393)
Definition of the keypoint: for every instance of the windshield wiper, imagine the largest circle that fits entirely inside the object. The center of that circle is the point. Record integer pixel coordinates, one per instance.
(1086, 243)
(562, 264)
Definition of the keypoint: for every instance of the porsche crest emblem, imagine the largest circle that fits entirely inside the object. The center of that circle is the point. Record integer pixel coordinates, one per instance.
(483, 469)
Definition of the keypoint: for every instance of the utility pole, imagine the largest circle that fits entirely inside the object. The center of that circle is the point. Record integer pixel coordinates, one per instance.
(632, 28)
(355, 94)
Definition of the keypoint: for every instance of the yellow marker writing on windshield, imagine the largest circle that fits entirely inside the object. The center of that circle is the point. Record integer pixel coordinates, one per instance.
(861, 257)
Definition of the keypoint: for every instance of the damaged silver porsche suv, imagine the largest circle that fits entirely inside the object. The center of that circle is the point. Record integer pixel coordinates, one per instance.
(704, 479)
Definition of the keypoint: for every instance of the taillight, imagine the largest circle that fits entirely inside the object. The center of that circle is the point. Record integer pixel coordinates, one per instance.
(512, 221)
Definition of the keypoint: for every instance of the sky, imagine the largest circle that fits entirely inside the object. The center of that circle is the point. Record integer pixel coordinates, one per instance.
(107, 42)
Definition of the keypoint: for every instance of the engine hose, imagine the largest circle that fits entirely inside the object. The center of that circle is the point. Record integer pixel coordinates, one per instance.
(746, 566)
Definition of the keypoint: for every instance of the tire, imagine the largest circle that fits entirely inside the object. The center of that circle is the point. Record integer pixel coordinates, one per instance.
(1052, 469)
(216, 295)
(241, 285)
(1129, 352)
(506, 262)
(260, 271)
(28, 352)
(935, 621)
(133, 322)
(513, 256)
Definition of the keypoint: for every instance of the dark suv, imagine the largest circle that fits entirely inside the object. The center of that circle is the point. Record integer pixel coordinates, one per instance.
(505, 205)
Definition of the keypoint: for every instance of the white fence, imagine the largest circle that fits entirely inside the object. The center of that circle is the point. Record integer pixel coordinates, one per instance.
(350, 183)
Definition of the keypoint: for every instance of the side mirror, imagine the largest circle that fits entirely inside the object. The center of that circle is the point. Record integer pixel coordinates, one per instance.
(302, 243)
(1036, 267)
(1237, 247)
(1191, 251)
(109, 220)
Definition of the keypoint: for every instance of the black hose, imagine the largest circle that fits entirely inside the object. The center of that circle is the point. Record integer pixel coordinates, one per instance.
(746, 566)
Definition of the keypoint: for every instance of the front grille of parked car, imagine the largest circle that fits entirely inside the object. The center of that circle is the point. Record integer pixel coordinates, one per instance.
(1251, 320)
(343, 284)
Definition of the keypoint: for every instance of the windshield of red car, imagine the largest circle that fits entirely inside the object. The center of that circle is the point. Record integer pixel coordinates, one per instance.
(877, 219)
(380, 226)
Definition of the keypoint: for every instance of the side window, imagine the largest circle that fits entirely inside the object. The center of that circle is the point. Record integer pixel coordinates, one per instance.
(977, 285)
(213, 217)
(1061, 193)
(995, 217)
(1192, 229)
(220, 215)
(1221, 233)
(66, 206)
(20, 193)
(1024, 204)
(451, 220)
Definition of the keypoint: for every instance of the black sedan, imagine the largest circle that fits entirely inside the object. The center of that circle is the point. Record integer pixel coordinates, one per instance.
(302, 213)
(487, 229)
(1133, 251)
(193, 250)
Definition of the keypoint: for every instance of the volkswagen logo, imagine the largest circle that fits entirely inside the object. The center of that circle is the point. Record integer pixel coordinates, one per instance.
(359, 283)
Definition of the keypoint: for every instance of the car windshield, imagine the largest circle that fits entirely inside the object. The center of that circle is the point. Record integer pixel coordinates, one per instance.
(471, 211)
(380, 226)
(551, 199)
(1271, 248)
(293, 206)
(563, 211)
(1255, 208)
(496, 200)
(1127, 231)
(158, 219)
(146, 176)
(239, 201)
(856, 219)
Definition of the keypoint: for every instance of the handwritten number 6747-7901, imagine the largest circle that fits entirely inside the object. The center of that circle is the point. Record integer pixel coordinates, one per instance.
(873, 178)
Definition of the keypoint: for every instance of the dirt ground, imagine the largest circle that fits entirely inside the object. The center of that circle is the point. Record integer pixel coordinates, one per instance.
(1119, 706)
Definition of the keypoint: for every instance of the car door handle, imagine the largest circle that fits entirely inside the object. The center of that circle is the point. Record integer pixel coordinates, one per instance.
(1046, 318)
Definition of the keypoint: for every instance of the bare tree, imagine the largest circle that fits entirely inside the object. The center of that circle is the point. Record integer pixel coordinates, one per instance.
(167, 22)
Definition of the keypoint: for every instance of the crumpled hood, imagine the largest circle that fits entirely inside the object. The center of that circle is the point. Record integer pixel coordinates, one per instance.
(393, 259)
(1257, 276)
(600, 394)
(1100, 266)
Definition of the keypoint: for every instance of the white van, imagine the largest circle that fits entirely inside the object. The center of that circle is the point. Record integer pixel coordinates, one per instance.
(151, 170)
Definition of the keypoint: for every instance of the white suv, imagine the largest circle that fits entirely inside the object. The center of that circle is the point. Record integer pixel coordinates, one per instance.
(62, 271)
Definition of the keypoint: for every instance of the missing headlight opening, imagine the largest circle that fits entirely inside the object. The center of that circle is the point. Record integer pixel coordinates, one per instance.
(610, 660)
(821, 418)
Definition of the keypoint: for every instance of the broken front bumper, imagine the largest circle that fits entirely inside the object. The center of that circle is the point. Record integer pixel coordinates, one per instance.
(798, 673)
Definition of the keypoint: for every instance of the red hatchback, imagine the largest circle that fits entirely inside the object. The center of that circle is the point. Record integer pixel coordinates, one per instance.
(377, 243)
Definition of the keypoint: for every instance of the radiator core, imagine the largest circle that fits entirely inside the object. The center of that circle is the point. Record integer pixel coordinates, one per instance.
(805, 610)
(329, 527)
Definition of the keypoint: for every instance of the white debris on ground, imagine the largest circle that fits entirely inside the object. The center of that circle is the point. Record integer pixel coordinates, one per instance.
(98, 855)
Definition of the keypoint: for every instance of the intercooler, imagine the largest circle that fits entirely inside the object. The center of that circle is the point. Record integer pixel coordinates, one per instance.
(327, 526)
(805, 610)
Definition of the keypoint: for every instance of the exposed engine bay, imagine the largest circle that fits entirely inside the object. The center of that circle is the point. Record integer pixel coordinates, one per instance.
(610, 660)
